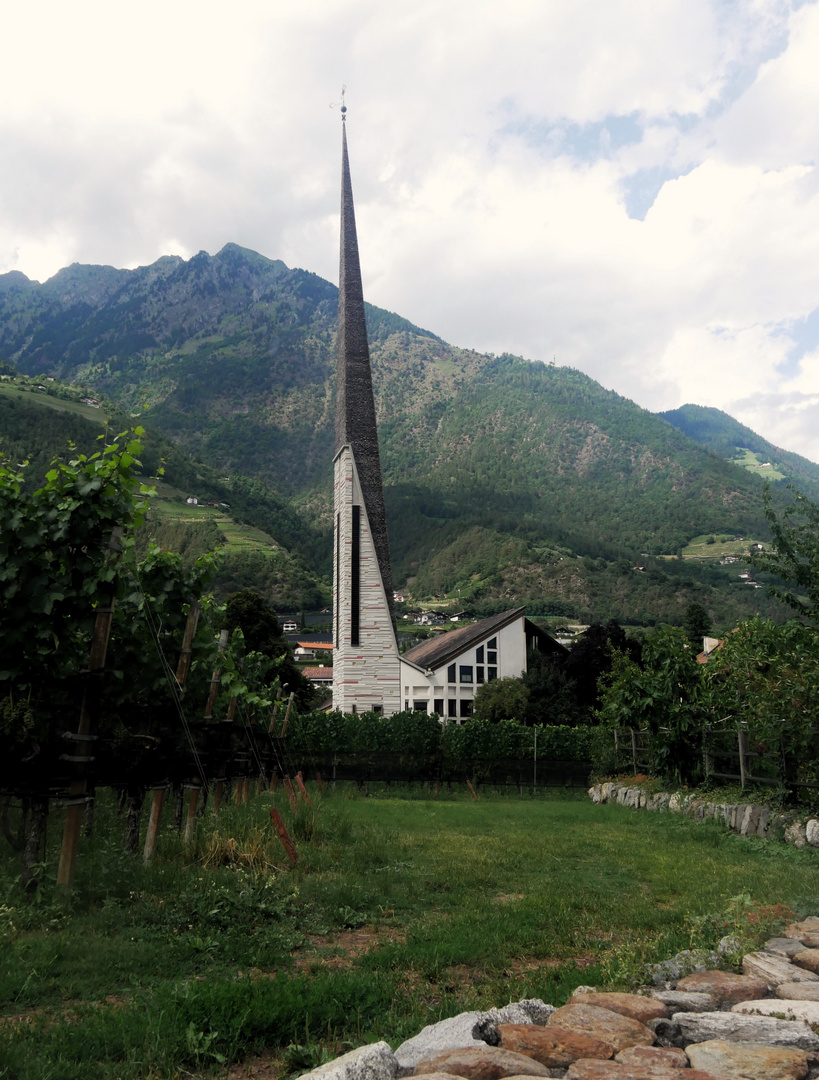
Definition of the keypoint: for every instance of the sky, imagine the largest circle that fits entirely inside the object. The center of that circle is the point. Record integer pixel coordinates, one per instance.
(621, 186)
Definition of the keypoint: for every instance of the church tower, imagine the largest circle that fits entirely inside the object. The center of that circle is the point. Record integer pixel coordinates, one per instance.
(366, 667)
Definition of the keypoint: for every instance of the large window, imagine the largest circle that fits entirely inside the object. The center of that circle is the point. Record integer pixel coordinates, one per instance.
(492, 654)
(452, 707)
(450, 673)
(419, 706)
(466, 707)
(479, 655)
(479, 675)
(465, 673)
(492, 673)
(438, 706)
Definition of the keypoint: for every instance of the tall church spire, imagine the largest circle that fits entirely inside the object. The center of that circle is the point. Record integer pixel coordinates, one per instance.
(366, 665)
(355, 407)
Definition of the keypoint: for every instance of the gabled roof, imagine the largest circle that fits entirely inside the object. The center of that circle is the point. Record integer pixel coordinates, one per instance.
(317, 673)
(315, 644)
(441, 650)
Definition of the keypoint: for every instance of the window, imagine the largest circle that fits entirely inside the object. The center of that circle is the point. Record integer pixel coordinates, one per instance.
(452, 707)
(479, 655)
(355, 709)
(355, 583)
(493, 644)
(466, 673)
(419, 706)
(438, 706)
(492, 673)
(466, 707)
(378, 709)
(406, 706)
(492, 652)
(479, 674)
(450, 673)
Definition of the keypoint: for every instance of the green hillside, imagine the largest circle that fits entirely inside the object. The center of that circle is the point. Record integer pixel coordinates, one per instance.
(729, 439)
(505, 480)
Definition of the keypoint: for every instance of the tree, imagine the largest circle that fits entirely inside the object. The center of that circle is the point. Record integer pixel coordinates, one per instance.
(795, 555)
(501, 699)
(696, 624)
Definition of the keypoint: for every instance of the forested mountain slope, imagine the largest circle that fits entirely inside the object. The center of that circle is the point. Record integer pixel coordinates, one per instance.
(504, 479)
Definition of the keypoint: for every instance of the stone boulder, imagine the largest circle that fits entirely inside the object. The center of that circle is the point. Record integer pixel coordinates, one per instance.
(481, 1063)
(791, 1010)
(758, 1030)
(373, 1062)
(554, 1047)
(753, 1062)
(775, 969)
(633, 1005)
(611, 1027)
(455, 1033)
(726, 987)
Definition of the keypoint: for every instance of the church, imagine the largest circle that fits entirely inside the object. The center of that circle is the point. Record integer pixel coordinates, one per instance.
(369, 674)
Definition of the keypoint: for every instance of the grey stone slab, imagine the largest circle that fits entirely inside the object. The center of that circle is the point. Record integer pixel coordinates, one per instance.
(373, 1062)
(785, 946)
(454, 1033)
(791, 1009)
(680, 1001)
(775, 969)
(758, 1030)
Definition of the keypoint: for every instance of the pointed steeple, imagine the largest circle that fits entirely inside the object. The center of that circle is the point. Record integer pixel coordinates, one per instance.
(355, 407)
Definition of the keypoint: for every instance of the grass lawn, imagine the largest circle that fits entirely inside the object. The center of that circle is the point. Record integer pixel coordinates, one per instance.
(401, 911)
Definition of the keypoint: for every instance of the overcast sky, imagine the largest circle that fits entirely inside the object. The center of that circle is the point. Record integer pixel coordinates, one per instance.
(624, 186)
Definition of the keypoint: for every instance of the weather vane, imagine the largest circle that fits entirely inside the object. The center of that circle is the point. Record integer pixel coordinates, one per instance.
(343, 106)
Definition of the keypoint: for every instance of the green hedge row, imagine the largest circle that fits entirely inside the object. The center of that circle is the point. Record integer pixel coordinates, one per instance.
(419, 745)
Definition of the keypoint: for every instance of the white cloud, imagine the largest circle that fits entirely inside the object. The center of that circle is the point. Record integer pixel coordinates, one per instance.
(497, 154)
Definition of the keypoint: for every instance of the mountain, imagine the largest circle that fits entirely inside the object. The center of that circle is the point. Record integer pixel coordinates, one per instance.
(727, 438)
(505, 480)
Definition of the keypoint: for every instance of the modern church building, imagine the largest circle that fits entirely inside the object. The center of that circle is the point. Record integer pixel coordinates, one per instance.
(441, 675)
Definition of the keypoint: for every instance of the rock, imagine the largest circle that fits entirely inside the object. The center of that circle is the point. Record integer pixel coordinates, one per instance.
(807, 959)
(812, 832)
(795, 834)
(611, 1027)
(791, 1009)
(754, 1062)
(775, 969)
(633, 1005)
(528, 1011)
(684, 963)
(726, 987)
(481, 1063)
(653, 1055)
(666, 1032)
(764, 818)
(552, 1046)
(681, 1001)
(615, 1070)
(798, 991)
(455, 1033)
(749, 822)
(786, 946)
(810, 925)
(759, 1030)
(373, 1062)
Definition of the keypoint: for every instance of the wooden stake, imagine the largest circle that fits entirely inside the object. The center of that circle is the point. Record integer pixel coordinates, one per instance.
(190, 823)
(288, 787)
(303, 789)
(318, 781)
(474, 796)
(284, 836)
(88, 719)
(287, 716)
(153, 824)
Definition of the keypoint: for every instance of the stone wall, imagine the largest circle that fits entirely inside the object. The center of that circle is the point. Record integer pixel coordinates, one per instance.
(747, 819)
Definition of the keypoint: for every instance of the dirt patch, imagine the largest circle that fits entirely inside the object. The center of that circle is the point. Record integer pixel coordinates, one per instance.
(507, 898)
(260, 1067)
(339, 949)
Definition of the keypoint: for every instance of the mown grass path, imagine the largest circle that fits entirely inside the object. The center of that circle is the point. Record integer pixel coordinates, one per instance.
(401, 911)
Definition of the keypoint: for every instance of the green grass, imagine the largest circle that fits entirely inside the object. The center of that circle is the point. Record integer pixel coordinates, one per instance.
(401, 911)
(754, 462)
(48, 401)
(724, 544)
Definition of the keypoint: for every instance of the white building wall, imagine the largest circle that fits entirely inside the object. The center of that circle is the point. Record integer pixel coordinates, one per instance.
(417, 686)
(365, 676)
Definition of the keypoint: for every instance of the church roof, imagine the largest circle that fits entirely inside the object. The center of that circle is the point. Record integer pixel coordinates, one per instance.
(446, 647)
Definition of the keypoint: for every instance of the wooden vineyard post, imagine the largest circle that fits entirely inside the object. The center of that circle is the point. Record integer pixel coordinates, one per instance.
(182, 668)
(303, 789)
(88, 720)
(318, 781)
(474, 795)
(287, 717)
(219, 788)
(742, 741)
(284, 836)
(193, 802)
(291, 795)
